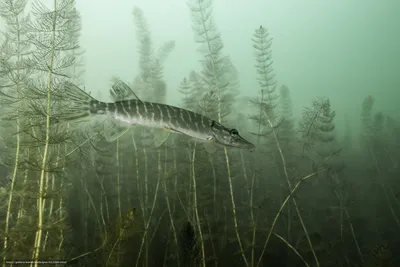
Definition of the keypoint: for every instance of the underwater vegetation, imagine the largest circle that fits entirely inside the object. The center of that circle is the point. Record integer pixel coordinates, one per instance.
(307, 195)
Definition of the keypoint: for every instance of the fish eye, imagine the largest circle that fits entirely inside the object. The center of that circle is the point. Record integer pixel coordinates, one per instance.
(233, 132)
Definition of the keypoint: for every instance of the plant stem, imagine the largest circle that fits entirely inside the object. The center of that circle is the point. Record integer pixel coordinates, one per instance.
(144, 238)
(290, 189)
(279, 213)
(203, 256)
(39, 230)
(234, 208)
(10, 196)
(171, 218)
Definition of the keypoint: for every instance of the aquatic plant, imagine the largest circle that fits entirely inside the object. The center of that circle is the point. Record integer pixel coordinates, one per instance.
(374, 143)
(37, 54)
(13, 72)
(219, 78)
(292, 202)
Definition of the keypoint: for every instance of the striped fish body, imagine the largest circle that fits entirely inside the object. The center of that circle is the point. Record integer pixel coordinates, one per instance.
(152, 115)
(155, 115)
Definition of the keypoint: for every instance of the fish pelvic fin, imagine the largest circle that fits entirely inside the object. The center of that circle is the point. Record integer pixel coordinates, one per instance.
(79, 105)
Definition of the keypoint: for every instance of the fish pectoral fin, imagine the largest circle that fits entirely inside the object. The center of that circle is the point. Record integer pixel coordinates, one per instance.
(161, 138)
(113, 131)
(210, 146)
(172, 130)
(116, 133)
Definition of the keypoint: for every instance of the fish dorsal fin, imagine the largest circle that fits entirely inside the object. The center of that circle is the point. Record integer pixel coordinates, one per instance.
(121, 91)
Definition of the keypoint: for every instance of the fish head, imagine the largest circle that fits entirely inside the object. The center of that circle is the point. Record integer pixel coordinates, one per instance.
(229, 137)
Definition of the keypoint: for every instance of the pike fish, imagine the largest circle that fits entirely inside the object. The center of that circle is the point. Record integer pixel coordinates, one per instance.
(153, 115)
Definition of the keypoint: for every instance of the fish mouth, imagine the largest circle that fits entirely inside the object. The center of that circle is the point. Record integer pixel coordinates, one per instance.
(251, 147)
(244, 144)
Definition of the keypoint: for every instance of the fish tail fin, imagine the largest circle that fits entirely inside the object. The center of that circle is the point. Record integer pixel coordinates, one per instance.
(79, 104)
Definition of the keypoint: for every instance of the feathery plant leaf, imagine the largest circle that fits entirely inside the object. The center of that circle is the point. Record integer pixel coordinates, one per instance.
(266, 78)
(286, 132)
(164, 51)
(218, 74)
(151, 75)
(265, 104)
(54, 34)
(316, 124)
